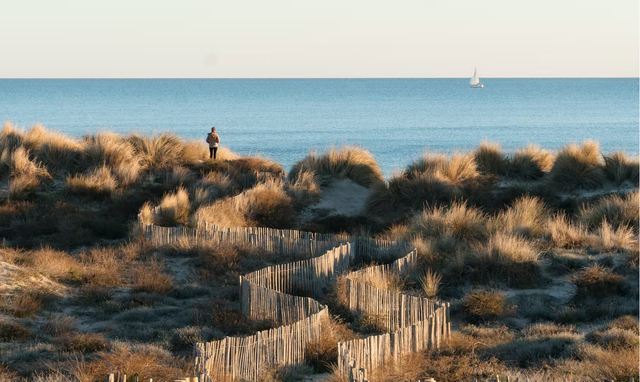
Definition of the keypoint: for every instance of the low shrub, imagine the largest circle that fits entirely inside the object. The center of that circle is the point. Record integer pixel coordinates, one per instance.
(84, 343)
(626, 323)
(13, 331)
(597, 281)
(578, 166)
(482, 305)
(152, 278)
(347, 162)
(613, 338)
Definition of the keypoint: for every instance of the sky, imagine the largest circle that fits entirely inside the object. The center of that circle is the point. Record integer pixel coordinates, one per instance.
(318, 39)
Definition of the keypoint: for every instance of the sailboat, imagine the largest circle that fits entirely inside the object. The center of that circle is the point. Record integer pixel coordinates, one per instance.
(475, 80)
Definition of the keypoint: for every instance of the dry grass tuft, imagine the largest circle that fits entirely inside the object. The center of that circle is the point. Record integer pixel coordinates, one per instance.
(322, 353)
(578, 167)
(152, 278)
(564, 234)
(84, 343)
(23, 187)
(58, 152)
(10, 138)
(267, 204)
(525, 217)
(406, 193)
(430, 283)
(98, 183)
(531, 163)
(162, 151)
(484, 305)
(611, 239)
(304, 190)
(618, 210)
(108, 149)
(347, 162)
(459, 221)
(507, 258)
(613, 338)
(601, 364)
(174, 209)
(620, 168)
(253, 164)
(490, 159)
(597, 281)
(13, 331)
(218, 184)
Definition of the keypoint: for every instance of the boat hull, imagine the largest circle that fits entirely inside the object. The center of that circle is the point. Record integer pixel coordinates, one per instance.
(477, 86)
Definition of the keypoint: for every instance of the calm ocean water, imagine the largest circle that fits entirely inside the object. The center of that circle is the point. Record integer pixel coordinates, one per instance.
(396, 119)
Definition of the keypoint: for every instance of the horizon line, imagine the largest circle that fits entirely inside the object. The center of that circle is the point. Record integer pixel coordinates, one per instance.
(298, 78)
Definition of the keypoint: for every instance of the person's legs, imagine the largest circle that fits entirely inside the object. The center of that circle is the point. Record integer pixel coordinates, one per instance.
(210, 152)
(215, 151)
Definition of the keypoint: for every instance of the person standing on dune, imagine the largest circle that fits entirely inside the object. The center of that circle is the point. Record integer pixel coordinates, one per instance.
(213, 139)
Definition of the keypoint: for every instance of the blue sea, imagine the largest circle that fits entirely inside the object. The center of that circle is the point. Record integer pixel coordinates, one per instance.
(283, 119)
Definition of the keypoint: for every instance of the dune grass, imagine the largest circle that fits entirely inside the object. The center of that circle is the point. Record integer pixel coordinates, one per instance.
(174, 209)
(617, 210)
(458, 220)
(304, 190)
(490, 159)
(525, 217)
(620, 167)
(578, 166)
(346, 162)
(98, 183)
(531, 162)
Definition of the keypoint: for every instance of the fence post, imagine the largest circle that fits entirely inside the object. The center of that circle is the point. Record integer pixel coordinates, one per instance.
(111, 377)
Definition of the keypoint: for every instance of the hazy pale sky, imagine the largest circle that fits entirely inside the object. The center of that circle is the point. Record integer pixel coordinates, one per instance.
(329, 38)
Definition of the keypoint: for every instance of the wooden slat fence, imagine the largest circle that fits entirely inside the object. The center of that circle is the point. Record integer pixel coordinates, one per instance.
(414, 323)
(263, 295)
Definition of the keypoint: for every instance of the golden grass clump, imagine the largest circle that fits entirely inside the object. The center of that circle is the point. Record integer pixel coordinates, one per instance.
(506, 258)
(108, 149)
(98, 183)
(484, 305)
(23, 187)
(403, 194)
(253, 164)
(162, 151)
(600, 364)
(617, 210)
(174, 209)
(10, 138)
(614, 239)
(430, 283)
(562, 233)
(525, 217)
(620, 168)
(152, 278)
(20, 163)
(490, 158)
(453, 170)
(58, 152)
(347, 162)
(304, 190)
(597, 281)
(218, 184)
(531, 162)
(267, 204)
(458, 220)
(578, 166)
(321, 353)
(381, 280)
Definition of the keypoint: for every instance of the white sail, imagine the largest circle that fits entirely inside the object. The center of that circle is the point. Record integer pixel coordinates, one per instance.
(475, 79)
